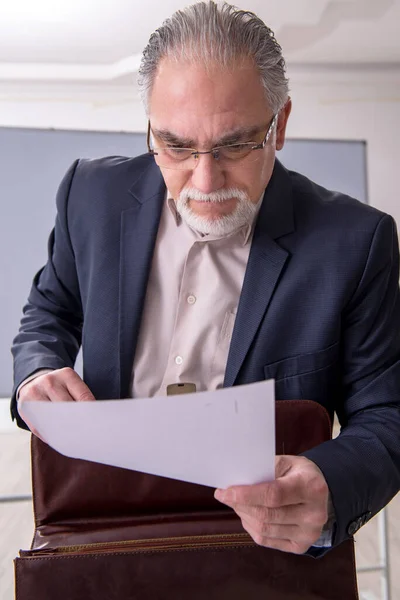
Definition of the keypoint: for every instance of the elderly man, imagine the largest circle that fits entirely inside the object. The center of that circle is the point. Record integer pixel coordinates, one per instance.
(206, 263)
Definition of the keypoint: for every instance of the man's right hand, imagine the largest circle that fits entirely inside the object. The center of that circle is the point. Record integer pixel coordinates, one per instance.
(60, 385)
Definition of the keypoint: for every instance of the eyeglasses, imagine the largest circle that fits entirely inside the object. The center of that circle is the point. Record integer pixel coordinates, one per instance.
(172, 157)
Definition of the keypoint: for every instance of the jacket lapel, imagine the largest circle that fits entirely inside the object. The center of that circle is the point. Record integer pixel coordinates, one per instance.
(264, 267)
(139, 226)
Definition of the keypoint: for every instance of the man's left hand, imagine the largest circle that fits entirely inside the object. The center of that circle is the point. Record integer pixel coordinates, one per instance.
(286, 514)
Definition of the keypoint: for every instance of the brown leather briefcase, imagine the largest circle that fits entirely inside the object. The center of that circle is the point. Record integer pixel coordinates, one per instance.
(105, 533)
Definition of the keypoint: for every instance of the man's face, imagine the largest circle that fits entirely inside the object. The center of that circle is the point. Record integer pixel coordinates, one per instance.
(203, 109)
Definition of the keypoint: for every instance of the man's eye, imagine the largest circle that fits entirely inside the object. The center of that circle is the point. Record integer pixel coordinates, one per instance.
(236, 148)
(177, 151)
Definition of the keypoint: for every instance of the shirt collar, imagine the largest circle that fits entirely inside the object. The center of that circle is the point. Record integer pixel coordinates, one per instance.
(245, 232)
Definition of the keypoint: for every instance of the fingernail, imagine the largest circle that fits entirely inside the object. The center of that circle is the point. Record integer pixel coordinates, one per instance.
(225, 495)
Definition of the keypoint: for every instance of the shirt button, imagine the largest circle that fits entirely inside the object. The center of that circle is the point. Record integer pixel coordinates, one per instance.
(179, 360)
(191, 299)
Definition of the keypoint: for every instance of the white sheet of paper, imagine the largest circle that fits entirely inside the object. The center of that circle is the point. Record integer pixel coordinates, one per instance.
(217, 439)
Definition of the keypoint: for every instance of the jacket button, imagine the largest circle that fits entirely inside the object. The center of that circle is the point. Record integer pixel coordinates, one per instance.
(358, 523)
(366, 517)
(354, 526)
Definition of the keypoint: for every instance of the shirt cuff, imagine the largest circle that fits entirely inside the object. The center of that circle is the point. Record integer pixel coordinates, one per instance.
(325, 539)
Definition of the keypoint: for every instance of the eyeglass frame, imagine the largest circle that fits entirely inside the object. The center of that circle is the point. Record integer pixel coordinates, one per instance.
(196, 153)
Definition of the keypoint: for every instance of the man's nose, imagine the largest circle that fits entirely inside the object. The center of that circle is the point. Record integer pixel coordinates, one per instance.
(208, 176)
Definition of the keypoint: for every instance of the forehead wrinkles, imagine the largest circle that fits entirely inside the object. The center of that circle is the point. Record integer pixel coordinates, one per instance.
(203, 105)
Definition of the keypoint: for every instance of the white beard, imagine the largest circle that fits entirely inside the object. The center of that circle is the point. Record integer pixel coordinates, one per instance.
(243, 213)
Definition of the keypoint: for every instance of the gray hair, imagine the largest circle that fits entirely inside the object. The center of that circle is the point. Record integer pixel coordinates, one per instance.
(210, 33)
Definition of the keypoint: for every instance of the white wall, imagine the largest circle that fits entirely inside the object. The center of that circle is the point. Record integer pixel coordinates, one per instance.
(327, 104)
(357, 106)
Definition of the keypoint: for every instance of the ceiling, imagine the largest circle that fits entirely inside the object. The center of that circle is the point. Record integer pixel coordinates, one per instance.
(101, 41)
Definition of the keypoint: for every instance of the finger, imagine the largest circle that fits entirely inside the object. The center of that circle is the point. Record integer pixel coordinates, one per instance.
(51, 387)
(284, 464)
(281, 492)
(299, 533)
(78, 388)
(298, 480)
(61, 385)
(31, 391)
(282, 544)
(310, 516)
(48, 387)
(267, 530)
(285, 515)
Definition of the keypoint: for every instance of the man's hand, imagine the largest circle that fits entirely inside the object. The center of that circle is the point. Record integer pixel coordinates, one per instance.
(288, 513)
(60, 385)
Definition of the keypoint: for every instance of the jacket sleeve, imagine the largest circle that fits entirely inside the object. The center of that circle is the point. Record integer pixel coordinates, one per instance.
(50, 332)
(362, 465)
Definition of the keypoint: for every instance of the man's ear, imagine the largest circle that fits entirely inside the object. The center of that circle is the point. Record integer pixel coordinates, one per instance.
(282, 123)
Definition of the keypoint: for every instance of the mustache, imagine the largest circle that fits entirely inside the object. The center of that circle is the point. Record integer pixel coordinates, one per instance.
(218, 196)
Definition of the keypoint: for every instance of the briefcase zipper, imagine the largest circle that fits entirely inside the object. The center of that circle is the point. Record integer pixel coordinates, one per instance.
(148, 545)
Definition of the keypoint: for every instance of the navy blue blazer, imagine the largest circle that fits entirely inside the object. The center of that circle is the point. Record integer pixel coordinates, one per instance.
(319, 310)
